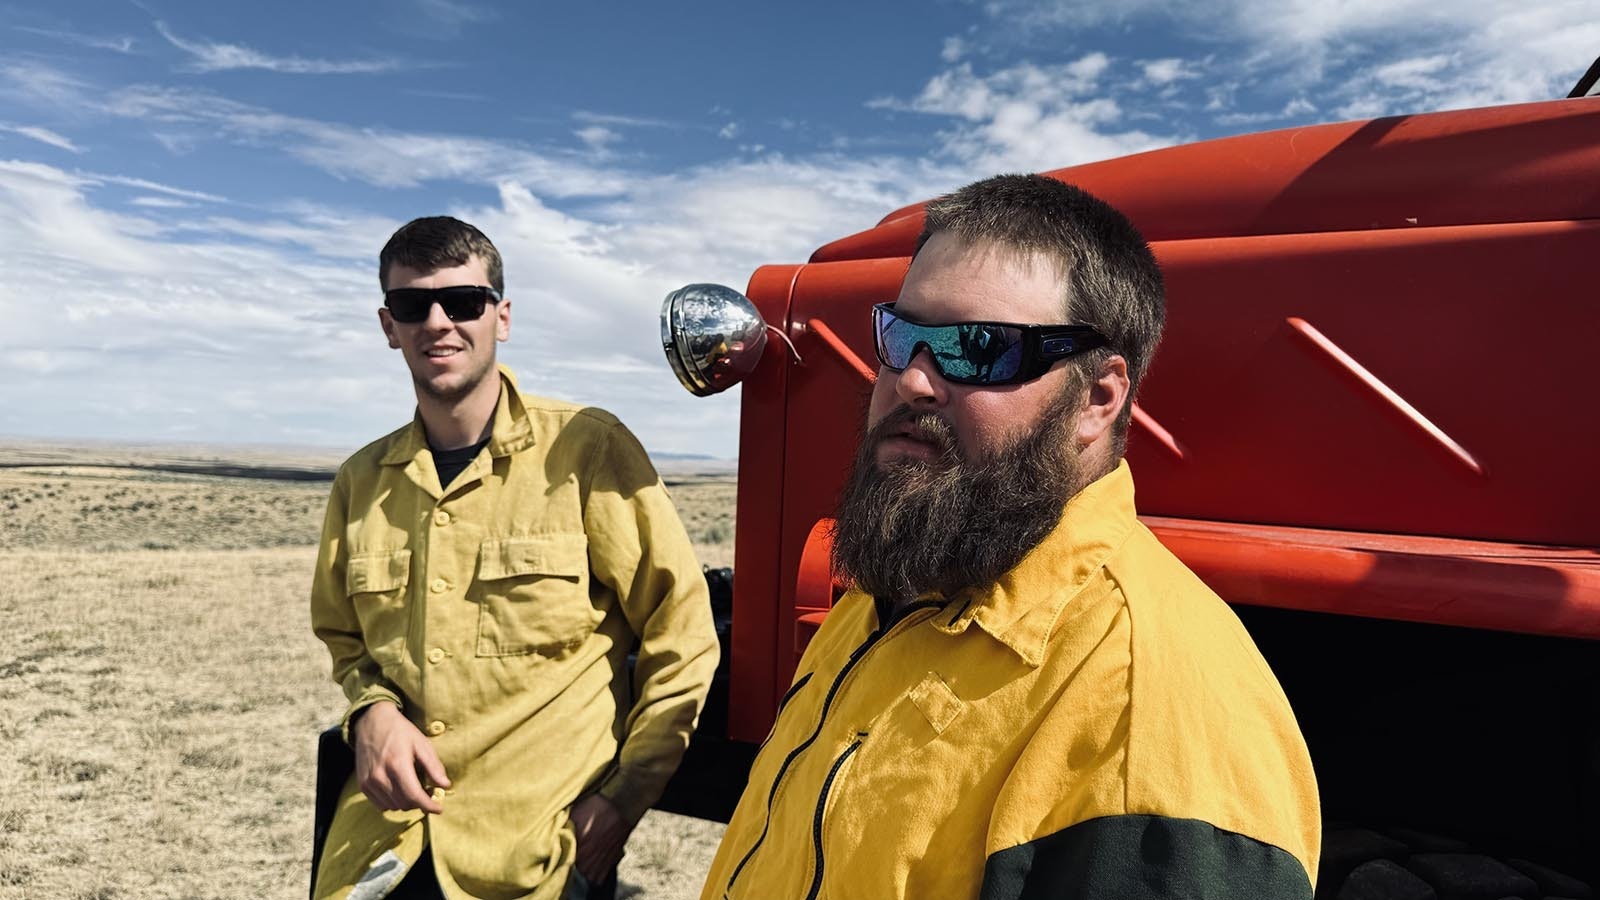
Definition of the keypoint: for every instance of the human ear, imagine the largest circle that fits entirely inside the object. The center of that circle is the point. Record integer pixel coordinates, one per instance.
(502, 320)
(1103, 402)
(387, 322)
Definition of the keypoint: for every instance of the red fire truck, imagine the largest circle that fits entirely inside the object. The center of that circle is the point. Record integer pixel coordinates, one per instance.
(1400, 496)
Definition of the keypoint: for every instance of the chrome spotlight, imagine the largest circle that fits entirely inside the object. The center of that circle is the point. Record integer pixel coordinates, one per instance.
(713, 337)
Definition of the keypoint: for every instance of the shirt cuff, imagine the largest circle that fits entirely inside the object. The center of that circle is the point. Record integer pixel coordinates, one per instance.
(376, 693)
(631, 795)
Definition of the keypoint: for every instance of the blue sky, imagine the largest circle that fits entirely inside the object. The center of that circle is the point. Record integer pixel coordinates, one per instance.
(192, 196)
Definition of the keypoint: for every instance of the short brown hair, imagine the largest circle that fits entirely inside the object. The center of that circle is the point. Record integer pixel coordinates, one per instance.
(438, 242)
(1112, 280)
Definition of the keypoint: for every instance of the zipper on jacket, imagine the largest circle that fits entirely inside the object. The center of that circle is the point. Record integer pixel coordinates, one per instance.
(822, 806)
(856, 655)
(787, 696)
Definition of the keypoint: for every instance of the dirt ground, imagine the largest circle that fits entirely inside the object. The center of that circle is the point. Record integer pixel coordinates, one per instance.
(160, 690)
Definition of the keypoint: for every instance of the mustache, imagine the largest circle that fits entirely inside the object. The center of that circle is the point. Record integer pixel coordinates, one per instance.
(923, 426)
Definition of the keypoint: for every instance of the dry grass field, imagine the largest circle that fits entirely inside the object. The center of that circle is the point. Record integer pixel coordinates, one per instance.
(160, 690)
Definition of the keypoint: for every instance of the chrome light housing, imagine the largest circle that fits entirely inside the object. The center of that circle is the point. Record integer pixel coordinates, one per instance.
(713, 337)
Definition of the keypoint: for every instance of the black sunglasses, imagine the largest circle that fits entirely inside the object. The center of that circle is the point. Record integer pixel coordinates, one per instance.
(985, 353)
(461, 303)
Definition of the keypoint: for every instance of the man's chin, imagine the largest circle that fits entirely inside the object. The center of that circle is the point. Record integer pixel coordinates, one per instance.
(447, 387)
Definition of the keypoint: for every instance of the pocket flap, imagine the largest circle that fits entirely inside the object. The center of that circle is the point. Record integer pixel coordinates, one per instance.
(937, 703)
(365, 572)
(562, 555)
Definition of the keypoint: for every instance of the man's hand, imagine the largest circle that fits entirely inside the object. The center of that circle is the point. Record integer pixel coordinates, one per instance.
(602, 832)
(392, 757)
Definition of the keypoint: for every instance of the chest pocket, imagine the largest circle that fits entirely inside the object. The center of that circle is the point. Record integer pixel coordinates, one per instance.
(376, 585)
(534, 596)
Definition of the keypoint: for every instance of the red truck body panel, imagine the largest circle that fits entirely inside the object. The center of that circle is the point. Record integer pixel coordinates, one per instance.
(1375, 396)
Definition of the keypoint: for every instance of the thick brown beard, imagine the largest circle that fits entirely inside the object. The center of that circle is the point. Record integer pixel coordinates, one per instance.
(948, 523)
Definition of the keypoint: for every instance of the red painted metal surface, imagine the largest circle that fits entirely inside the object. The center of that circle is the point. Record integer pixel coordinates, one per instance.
(1472, 584)
(1476, 584)
(757, 572)
(1525, 163)
(1374, 396)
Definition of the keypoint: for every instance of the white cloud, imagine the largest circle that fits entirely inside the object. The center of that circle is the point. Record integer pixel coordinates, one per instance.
(1367, 57)
(622, 121)
(1299, 106)
(954, 49)
(40, 86)
(145, 184)
(597, 137)
(380, 157)
(1030, 117)
(455, 13)
(43, 136)
(116, 44)
(1419, 73)
(161, 203)
(241, 320)
(220, 57)
(1166, 71)
(148, 323)
(729, 131)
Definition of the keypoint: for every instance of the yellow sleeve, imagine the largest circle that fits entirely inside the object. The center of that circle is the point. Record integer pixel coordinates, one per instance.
(638, 548)
(333, 618)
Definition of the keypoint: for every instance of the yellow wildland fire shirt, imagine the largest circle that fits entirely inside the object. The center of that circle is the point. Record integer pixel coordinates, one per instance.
(498, 612)
(1097, 724)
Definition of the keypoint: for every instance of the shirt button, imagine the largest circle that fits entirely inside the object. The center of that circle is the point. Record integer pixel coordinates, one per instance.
(436, 728)
(439, 586)
(440, 517)
(435, 655)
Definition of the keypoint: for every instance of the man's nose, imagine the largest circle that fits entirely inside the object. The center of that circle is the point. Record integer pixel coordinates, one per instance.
(919, 384)
(437, 321)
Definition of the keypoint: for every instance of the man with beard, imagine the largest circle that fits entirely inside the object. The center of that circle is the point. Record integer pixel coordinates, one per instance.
(1023, 694)
(483, 575)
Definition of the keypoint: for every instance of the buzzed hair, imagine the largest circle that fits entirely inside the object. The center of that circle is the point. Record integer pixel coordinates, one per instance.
(1112, 280)
(439, 242)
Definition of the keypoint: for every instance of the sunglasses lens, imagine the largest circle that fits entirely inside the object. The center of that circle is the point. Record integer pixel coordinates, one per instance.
(460, 304)
(408, 305)
(968, 353)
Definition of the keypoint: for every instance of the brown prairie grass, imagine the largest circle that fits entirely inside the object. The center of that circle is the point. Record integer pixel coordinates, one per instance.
(159, 707)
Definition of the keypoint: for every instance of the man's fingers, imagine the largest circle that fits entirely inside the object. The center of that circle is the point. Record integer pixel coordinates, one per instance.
(376, 786)
(428, 760)
(410, 793)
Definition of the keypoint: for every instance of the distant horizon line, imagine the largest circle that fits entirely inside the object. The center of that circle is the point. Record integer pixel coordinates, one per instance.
(178, 444)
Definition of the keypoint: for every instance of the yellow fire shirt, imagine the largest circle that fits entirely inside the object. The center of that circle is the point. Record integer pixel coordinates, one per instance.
(1096, 724)
(499, 613)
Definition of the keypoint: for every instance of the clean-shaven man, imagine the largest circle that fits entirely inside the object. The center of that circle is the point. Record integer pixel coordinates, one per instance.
(484, 572)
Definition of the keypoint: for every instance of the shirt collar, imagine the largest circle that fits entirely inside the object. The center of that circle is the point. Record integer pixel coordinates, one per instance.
(1021, 609)
(511, 432)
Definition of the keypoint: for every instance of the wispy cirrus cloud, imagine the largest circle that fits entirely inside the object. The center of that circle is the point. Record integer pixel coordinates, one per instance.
(43, 136)
(144, 184)
(118, 44)
(45, 87)
(455, 12)
(212, 56)
(625, 121)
